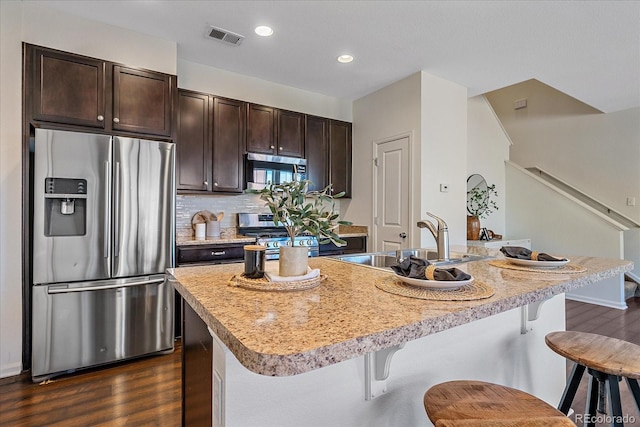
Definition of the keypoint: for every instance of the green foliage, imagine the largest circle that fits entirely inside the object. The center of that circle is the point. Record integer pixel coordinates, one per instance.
(303, 211)
(480, 203)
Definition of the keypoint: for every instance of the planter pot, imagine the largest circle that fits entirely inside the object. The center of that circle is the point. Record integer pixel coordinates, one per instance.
(294, 261)
(473, 228)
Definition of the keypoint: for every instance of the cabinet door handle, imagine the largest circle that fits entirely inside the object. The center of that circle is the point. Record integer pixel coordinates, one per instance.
(116, 120)
(100, 118)
(215, 184)
(272, 147)
(218, 253)
(206, 183)
(280, 148)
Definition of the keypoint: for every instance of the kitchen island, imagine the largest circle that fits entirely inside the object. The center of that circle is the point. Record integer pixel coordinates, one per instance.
(347, 353)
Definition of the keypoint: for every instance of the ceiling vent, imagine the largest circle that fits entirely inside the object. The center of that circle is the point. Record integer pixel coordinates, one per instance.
(225, 36)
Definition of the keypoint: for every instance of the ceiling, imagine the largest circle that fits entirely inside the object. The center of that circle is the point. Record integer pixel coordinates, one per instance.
(589, 50)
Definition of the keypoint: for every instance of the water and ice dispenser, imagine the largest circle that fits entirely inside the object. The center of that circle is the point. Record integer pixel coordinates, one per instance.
(65, 207)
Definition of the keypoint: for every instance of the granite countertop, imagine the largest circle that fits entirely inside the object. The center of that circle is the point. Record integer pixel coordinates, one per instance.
(223, 240)
(353, 231)
(288, 333)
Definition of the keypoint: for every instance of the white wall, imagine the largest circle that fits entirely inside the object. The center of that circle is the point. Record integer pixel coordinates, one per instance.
(487, 150)
(559, 225)
(57, 30)
(433, 112)
(443, 156)
(595, 152)
(207, 79)
(388, 112)
(10, 184)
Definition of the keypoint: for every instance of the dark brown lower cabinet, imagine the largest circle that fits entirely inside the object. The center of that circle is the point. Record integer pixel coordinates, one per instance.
(197, 369)
(355, 245)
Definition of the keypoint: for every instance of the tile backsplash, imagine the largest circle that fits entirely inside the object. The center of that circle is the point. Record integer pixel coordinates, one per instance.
(188, 205)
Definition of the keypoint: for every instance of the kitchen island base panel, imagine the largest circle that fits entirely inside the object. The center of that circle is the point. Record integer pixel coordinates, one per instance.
(491, 349)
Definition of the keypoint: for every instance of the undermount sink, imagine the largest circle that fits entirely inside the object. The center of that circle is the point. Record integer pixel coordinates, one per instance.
(387, 259)
(374, 260)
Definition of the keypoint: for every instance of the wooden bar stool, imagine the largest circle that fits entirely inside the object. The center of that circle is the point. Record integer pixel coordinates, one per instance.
(482, 404)
(607, 360)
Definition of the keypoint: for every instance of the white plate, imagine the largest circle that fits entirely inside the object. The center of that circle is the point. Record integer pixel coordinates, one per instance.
(435, 284)
(539, 264)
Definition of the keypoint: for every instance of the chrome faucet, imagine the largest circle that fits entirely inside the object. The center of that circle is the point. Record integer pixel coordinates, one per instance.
(441, 234)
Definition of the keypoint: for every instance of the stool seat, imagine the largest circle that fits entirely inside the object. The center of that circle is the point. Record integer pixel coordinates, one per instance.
(607, 360)
(478, 403)
(609, 355)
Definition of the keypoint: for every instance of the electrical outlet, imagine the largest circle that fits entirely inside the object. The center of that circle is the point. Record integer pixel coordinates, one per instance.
(444, 188)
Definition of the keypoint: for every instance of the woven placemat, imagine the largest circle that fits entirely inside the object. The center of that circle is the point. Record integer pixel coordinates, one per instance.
(567, 268)
(473, 291)
(263, 284)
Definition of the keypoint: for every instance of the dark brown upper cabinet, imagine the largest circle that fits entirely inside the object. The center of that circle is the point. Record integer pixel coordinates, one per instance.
(261, 133)
(340, 156)
(328, 153)
(193, 144)
(317, 151)
(274, 131)
(210, 143)
(142, 101)
(67, 88)
(228, 145)
(290, 134)
(90, 93)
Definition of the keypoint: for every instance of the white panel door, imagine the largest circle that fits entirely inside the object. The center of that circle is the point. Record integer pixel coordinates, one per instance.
(392, 195)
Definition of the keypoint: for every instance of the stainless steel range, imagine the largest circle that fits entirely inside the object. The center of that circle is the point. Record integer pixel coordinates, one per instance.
(272, 236)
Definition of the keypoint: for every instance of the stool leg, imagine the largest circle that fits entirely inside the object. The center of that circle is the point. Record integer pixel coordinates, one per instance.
(614, 399)
(635, 390)
(571, 388)
(592, 401)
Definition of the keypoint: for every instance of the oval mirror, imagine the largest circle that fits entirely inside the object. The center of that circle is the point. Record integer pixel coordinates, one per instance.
(477, 194)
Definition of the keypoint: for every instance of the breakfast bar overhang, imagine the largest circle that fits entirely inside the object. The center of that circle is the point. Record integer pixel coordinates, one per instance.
(350, 354)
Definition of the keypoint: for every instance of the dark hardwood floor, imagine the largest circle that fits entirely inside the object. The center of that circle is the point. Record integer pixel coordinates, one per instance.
(147, 392)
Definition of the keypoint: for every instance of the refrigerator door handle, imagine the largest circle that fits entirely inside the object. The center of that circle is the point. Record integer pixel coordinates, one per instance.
(116, 212)
(107, 208)
(54, 290)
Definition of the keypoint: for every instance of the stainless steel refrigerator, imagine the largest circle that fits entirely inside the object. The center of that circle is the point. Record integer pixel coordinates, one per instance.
(103, 235)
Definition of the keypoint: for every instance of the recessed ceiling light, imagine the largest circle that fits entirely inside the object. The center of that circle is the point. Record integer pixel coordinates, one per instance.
(264, 31)
(345, 58)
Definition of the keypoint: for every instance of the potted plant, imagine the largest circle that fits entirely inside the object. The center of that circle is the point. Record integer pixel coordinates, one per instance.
(479, 205)
(301, 211)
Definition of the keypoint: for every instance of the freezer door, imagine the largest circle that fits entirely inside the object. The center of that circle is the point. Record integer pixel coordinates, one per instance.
(71, 206)
(143, 206)
(78, 325)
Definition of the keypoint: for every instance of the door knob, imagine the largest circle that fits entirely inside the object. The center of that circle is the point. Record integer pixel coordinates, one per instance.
(403, 235)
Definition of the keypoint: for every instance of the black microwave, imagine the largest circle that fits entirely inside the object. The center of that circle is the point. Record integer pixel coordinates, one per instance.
(264, 169)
